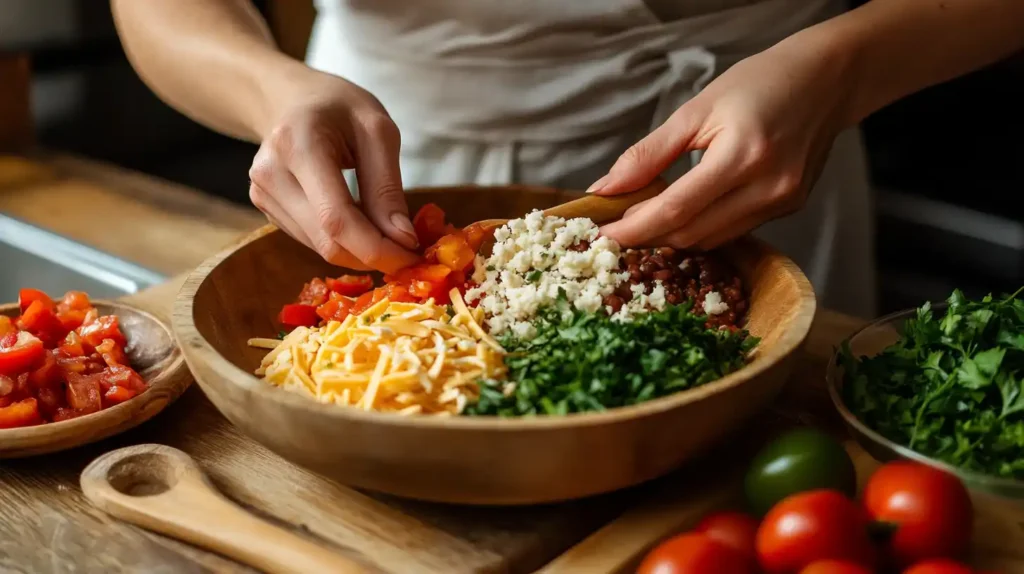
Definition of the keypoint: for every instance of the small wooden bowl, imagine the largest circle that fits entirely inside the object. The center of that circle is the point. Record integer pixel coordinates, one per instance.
(236, 295)
(153, 353)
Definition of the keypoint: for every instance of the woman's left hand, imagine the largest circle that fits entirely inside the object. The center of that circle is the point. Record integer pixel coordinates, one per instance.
(766, 126)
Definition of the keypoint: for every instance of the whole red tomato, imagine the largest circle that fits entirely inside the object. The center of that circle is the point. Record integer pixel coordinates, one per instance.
(938, 566)
(734, 529)
(811, 526)
(834, 567)
(930, 510)
(694, 553)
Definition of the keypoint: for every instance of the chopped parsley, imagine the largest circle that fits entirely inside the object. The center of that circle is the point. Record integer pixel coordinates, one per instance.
(282, 334)
(534, 276)
(952, 386)
(385, 317)
(587, 362)
(489, 268)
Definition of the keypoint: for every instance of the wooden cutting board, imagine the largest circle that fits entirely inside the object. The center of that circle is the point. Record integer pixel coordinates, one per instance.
(47, 526)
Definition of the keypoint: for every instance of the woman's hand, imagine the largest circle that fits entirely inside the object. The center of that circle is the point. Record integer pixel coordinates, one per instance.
(766, 126)
(328, 125)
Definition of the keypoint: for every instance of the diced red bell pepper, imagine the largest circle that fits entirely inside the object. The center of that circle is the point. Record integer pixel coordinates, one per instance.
(298, 315)
(116, 395)
(20, 414)
(429, 224)
(454, 252)
(28, 296)
(73, 346)
(350, 285)
(314, 293)
(457, 280)
(398, 294)
(337, 308)
(83, 392)
(20, 353)
(121, 376)
(432, 273)
(71, 319)
(105, 327)
(362, 303)
(379, 294)
(6, 325)
(49, 400)
(427, 290)
(40, 320)
(476, 234)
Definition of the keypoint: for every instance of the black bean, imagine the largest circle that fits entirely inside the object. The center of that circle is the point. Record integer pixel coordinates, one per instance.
(648, 268)
(663, 275)
(636, 274)
(632, 257)
(673, 297)
(613, 301)
(658, 261)
(624, 292)
(666, 252)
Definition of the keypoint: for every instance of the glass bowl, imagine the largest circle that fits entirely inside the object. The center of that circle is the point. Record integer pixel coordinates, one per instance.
(870, 341)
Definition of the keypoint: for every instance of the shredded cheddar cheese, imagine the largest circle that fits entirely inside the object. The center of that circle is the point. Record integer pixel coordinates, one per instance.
(408, 358)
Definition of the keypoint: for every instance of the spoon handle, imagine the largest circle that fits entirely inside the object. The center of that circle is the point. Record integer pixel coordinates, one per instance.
(162, 489)
(601, 209)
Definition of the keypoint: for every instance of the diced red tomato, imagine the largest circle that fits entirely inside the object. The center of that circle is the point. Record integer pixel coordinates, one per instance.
(429, 224)
(65, 413)
(71, 319)
(350, 285)
(431, 273)
(6, 325)
(84, 392)
(49, 400)
(73, 346)
(47, 374)
(75, 301)
(337, 308)
(112, 353)
(28, 296)
(116, 395)
(79, 365)
(19, 353)
(122, 376)
(20, 414)
(314, 293)
(298, 315)
(105, 327)
(40, 319)
(454, 252)
(457, 279)
(362, 303)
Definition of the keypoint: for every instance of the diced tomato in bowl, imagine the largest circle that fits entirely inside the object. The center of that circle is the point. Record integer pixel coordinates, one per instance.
(61, 360)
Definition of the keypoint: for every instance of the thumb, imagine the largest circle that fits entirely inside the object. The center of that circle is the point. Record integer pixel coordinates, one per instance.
(646, 159)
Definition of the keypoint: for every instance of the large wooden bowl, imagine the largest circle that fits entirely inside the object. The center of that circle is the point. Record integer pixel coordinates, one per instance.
(151, 351)
(236, 295)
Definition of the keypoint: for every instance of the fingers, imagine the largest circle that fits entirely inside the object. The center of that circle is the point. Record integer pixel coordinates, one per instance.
(377, 144)
(295, 225)
(725, 165)
(317, 171)
(647, 158)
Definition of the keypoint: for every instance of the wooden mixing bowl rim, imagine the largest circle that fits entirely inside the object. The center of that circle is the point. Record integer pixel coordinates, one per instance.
(164, 375)
(198, 349)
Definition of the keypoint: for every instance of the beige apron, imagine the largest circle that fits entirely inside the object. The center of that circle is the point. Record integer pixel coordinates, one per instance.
(551, 92)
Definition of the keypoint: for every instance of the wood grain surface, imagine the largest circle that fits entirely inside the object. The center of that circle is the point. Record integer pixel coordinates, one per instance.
(47, 526)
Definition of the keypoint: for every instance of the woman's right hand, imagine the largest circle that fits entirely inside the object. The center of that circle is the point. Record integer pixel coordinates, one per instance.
(326, 125)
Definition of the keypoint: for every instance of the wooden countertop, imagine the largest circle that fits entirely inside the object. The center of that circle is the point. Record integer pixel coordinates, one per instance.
(46, 525)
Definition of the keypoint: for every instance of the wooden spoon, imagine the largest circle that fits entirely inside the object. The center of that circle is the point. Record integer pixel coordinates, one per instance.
(162, 489)
(599, 209)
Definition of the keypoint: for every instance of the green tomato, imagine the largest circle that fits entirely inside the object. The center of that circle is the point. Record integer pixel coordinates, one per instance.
(798, 461)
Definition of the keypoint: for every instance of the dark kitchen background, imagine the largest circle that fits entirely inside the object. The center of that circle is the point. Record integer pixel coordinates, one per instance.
(947, 163)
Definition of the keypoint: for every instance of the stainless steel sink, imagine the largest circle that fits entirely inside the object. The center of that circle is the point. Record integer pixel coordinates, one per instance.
(34, 257)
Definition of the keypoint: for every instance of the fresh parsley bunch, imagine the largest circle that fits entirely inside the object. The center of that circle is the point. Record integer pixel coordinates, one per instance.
(951, 387)
(582, 361)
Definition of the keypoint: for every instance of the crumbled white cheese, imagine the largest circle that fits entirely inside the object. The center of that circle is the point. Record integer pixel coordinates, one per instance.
(713, 304)
(531, 263)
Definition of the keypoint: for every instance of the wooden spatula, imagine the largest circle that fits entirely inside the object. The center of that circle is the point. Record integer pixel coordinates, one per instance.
(600, 209)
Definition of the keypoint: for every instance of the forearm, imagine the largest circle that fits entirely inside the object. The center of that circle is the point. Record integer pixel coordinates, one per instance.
(213, 60)
(897, 47)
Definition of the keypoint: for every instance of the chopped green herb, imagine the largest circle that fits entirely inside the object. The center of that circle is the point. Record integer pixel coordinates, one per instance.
(282, 334)
(368, 319)
(385, 317)
(952, 387)
(587, 362)
(489, 268)
(534, 276)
